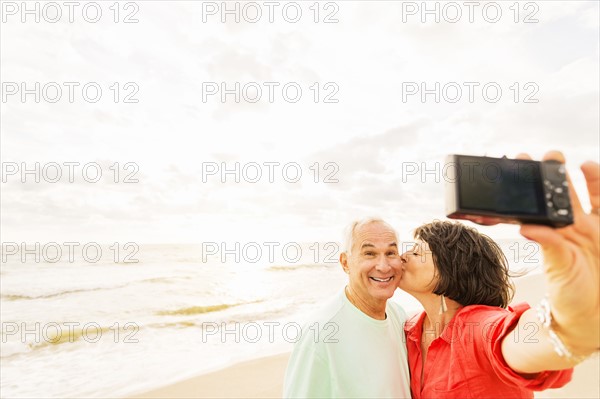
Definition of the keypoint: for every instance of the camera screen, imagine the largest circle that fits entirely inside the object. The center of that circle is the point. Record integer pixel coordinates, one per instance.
(505, 186)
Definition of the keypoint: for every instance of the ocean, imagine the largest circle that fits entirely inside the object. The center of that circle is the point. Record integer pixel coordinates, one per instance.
(74, 328)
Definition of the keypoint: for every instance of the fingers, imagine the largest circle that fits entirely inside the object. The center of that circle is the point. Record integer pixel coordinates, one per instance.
(591, 171)
(485, 220)
(544, 235)
(523, 155)
(575, 203)
(554, 156)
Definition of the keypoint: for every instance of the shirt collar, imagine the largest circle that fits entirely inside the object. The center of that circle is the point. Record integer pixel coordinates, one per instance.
(414, 327)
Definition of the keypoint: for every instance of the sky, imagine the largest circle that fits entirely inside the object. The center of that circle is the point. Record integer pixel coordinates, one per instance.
(169, 131)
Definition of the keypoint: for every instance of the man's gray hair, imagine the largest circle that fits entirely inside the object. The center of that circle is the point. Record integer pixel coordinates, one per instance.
(352, 227)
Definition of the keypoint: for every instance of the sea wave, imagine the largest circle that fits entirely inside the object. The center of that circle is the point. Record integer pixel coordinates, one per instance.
(19, 297)
(194, 310)
(300, 266)
(58, 336)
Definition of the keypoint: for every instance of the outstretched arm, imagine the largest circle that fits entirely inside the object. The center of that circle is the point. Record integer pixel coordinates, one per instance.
(571, 268)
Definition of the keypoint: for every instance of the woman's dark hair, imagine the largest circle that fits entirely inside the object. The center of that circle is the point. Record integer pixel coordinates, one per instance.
(471, 267)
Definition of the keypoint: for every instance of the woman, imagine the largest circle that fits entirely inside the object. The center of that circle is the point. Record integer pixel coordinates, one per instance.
(467, 344)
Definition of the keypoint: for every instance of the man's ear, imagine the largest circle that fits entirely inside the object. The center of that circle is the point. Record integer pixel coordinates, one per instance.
(344, 262)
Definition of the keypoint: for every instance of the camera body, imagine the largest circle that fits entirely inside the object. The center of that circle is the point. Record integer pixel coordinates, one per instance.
(511, 190)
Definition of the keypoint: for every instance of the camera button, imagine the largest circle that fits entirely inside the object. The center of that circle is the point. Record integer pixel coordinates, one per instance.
(560, 200)
(563, 212)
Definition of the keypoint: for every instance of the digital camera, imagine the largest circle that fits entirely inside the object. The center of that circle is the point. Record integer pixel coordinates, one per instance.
(511, 190)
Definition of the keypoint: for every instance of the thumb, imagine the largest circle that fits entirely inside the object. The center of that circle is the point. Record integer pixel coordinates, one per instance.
(554, 246)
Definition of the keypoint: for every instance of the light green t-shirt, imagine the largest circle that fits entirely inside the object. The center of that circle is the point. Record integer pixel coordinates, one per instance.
(343, 353)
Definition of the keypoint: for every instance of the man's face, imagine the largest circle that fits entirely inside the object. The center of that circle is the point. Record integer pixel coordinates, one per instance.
(374, 264)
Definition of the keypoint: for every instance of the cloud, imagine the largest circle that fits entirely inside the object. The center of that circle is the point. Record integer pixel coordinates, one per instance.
(364, 140)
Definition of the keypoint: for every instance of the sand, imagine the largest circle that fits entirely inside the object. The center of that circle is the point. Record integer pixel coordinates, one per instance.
(263, 378)
(259, 378)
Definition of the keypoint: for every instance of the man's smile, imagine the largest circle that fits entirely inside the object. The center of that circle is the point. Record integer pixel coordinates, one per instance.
(382, 280)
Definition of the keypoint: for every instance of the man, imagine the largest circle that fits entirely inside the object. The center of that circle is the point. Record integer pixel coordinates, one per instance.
(354, 346)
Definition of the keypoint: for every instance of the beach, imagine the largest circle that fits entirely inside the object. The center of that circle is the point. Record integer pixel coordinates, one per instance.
(260, 378)
(179, 180)
(263, 377)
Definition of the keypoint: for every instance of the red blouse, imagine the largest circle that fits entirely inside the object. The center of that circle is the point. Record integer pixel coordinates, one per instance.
(466, 360)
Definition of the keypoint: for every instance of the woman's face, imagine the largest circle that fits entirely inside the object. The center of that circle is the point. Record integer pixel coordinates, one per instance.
(418, 270)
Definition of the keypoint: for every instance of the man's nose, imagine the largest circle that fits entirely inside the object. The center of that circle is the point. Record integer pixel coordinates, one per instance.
(383, 264)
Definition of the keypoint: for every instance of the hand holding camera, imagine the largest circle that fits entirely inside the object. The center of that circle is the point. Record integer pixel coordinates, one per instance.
(572, 266)
(540, 196)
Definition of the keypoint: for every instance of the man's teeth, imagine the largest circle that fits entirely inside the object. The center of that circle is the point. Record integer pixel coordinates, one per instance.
(381, 280)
